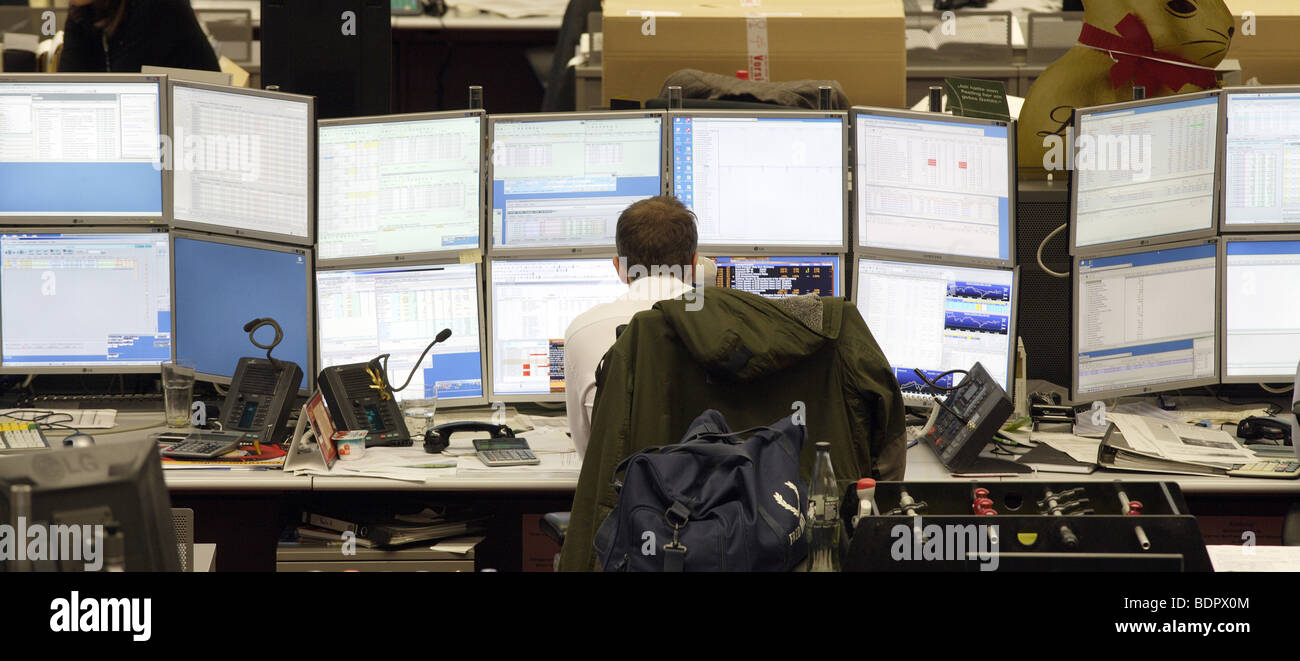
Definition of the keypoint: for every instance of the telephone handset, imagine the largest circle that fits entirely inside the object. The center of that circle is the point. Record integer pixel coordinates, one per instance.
(360, 398)
(438, 438)
(263, 389)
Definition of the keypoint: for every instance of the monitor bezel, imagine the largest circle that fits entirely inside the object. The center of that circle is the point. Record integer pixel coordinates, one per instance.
(164, 217)
(309, 370)
(769, 248)
(1225, 227)
(882, 256)
(896, 254)
(307, 241)
(1075, 313)
(489, 171)
(1099, 249)
(106, 368)
(841, 282)
(411, 266)
(1289, 376)
(490, 303)
(416, 257)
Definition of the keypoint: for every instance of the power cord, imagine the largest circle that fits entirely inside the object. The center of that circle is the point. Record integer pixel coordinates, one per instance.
(1044, 245)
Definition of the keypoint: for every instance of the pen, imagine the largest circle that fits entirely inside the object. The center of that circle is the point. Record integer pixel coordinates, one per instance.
(439, 465)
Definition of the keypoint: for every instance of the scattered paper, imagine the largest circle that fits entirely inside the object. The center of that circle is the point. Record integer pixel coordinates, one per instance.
(457, 545)
(1180, 441)
(78, 418)
(552, 465)
(1236, 557)
(21, 41)
(510, 8)
(1079, 449)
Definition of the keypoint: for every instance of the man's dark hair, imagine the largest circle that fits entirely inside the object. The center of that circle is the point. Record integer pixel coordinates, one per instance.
(657, 231)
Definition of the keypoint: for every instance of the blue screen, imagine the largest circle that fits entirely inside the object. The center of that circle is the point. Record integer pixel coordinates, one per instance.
(221, 287)
(81, 147)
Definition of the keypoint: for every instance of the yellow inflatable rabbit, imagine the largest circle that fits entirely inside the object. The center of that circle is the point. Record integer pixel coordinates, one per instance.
(1166, 46)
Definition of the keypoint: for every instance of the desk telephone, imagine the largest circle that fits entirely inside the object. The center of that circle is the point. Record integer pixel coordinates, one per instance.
(502, 449)
(263, 390)
(360, 398)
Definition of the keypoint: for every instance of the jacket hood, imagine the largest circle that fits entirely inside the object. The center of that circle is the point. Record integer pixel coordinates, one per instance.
(740, 336)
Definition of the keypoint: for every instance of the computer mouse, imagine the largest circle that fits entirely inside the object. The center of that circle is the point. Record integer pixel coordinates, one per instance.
(78, 440)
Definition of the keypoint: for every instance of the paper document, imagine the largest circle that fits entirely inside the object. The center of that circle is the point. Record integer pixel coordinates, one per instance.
(411, 464)
(1180, 441)
(1079, 449)
(457, 545)
(1236, 557)
(510, 8)
(552, 466)
(78, 418)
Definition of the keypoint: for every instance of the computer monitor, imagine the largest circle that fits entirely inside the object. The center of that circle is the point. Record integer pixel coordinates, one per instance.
(936, 187)
(1145, 320)
(561, 181)
(1144, 172)
(779, 277)
(222, 283)
(767, 179)
(1261, 321)
(1261, 164)
(399, 186)
(116, 485)
(85, 301)
(82, 148)
(363, 313)
(533, 302)
(242, 161)
(937, 317)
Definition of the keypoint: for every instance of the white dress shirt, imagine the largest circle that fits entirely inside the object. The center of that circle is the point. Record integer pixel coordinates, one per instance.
(592, 334)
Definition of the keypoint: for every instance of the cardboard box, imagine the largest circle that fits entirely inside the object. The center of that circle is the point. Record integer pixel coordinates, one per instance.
(859, 43)
(1270, 53)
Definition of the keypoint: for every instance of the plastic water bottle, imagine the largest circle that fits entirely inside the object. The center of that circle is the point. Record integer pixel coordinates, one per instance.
(823, 514)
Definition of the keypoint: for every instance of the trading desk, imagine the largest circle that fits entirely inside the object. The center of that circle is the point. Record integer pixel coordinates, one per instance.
(1225, 507)
(244, 511)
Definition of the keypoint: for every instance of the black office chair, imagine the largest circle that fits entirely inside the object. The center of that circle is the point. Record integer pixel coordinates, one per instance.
(560, 83)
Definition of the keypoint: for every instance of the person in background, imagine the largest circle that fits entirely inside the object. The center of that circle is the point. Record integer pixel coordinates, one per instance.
(120, 36)
(656, 240)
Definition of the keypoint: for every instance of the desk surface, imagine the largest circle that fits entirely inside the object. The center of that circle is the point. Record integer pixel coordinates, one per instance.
(924, 466)
(140, 426)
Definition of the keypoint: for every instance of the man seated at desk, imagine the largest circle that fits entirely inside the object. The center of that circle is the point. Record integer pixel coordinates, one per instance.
(753, 359)
(652, 232)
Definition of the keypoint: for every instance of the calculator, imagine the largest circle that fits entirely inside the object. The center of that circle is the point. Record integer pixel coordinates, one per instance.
(204, 445)
(1286, 469)
(505, 452)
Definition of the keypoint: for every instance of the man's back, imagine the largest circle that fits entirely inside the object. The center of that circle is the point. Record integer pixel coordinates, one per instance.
(754, 360)
(591, 335)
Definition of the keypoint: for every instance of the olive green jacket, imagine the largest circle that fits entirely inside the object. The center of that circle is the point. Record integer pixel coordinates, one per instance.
(755, 360)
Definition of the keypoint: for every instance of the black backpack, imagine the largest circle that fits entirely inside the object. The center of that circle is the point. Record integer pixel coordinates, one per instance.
(713, 502)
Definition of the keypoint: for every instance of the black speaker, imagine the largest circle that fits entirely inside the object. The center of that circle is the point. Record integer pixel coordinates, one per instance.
(339, 51)
(1043, 318)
